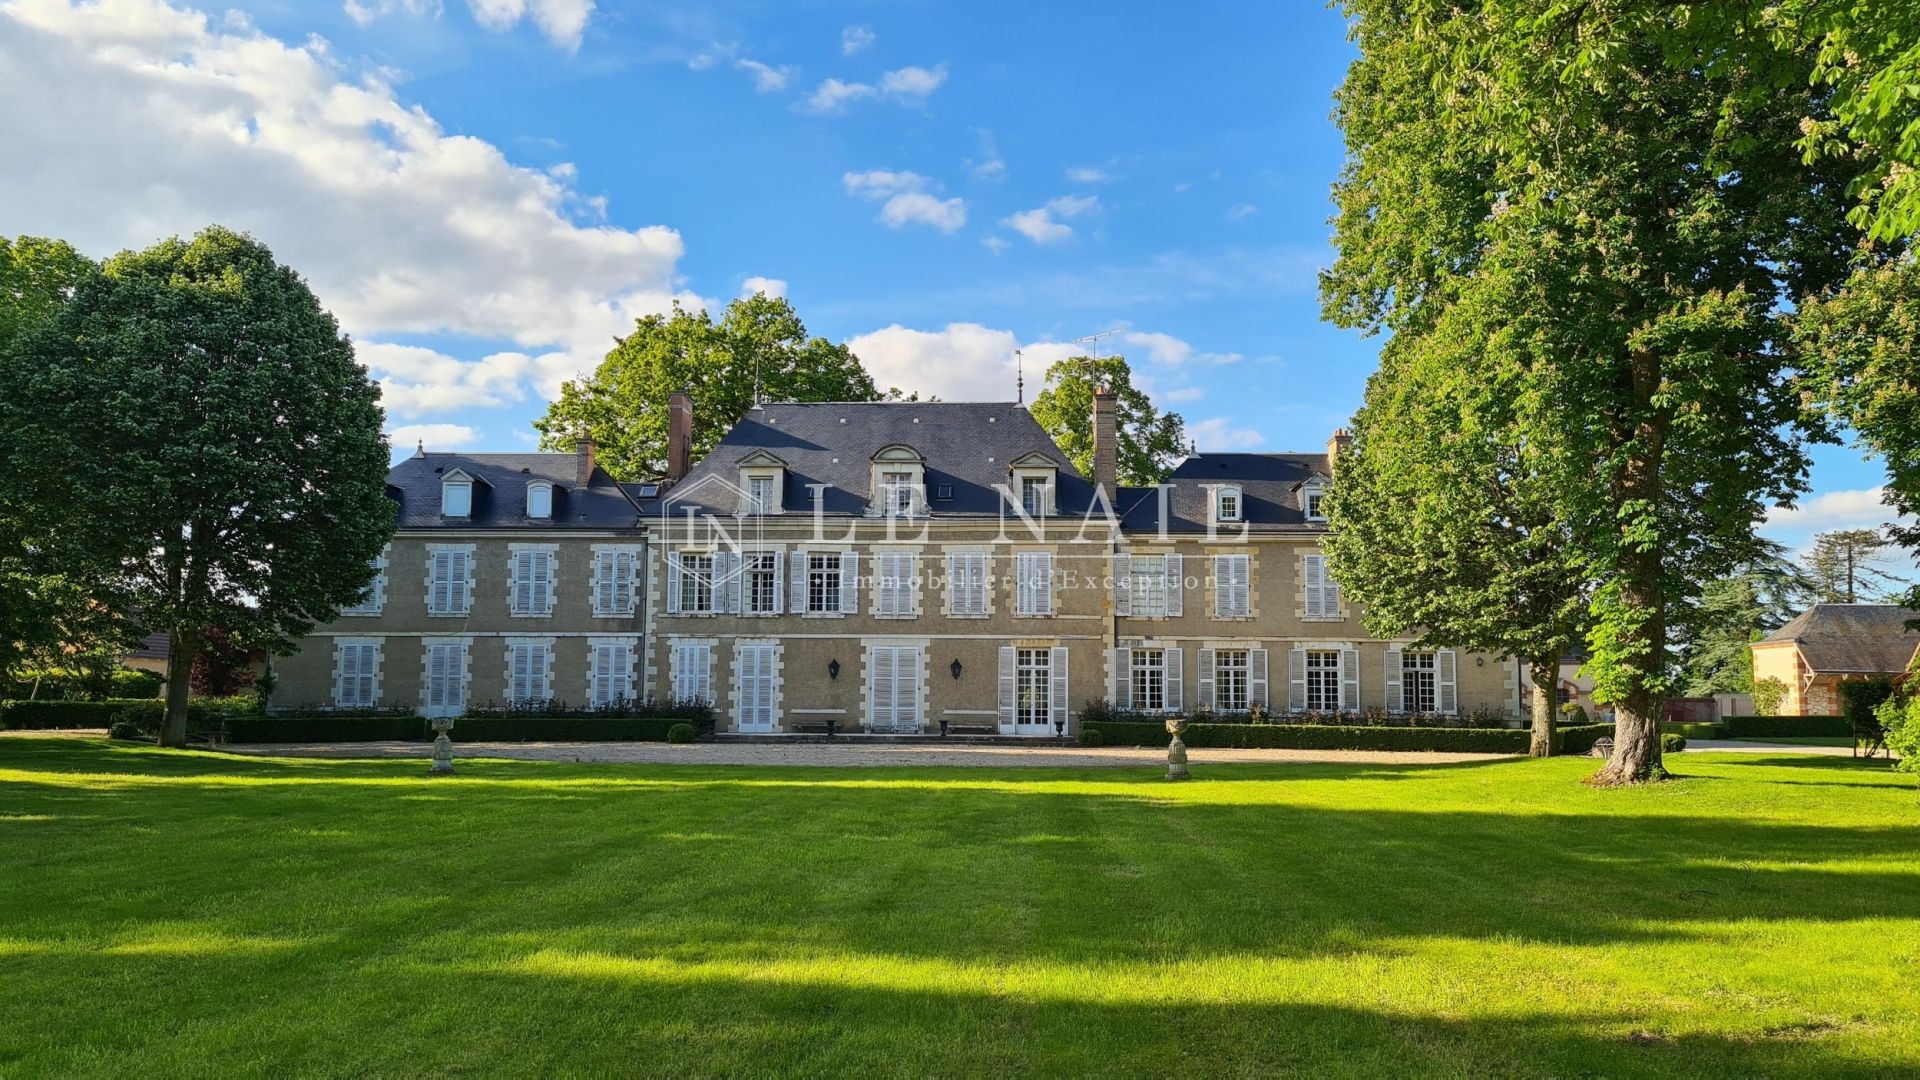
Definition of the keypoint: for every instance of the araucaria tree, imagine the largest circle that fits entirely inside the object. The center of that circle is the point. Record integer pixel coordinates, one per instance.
(1150, 441)
(193, 429)
(759, 347)
(1627, 225)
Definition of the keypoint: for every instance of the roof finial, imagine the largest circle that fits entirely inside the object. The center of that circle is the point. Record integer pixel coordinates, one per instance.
(1019, 378)
(420, 447)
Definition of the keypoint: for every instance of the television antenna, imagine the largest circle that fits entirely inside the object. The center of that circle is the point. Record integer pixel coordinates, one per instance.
(1092, 341)
(1019, 378)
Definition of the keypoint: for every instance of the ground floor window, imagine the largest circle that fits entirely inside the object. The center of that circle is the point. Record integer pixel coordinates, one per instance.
(1149, 679)
(759, 664)
(1230, 670)
(1419, 683)
(893, 687)
(528, 664)
(1323, 681)
(1032, 673)
(693, 671)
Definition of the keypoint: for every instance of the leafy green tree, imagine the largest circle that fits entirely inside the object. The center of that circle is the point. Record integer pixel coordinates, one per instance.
(1150, 442)
(1443, 525)
(194, 431)
(759, 346)
(1627, 230)
(1844, 567)
(1716, 633)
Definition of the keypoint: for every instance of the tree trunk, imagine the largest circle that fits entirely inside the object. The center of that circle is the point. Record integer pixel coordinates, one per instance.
(181, 646)
(1546, 696)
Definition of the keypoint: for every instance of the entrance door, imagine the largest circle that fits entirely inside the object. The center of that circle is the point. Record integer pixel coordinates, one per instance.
(893, 687)
(1033, 671)
(446, 690)
(754, 709)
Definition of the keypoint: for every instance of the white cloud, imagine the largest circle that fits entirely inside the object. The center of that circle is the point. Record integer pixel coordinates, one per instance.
(1167, 349)
(1241, 210)
(909, 199)
(1849, 509)
(996, 244)
(767, 80)
(989, 166)
(855, 39)
(1087, 174)
(364, 14)
(905, 86)
(1218, 433)
(1037, 226)
(435, 437)
(1073, 205)
(562, 21)
(772, 286)
(149, 123)
(963, 362)
(1183, 393)
(416, 381)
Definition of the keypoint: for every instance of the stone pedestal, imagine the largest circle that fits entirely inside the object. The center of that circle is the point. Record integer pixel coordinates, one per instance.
(442, 746)
(1177, 750)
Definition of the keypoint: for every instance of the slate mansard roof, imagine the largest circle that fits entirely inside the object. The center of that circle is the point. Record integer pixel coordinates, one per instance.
(968, 447)
(1271, 492)
(500, 493)
(1851, 638)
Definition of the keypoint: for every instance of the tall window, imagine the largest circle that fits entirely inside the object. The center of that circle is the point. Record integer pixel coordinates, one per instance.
(1033, 495)
(1149, 679)
(1148, 582)
(696, 582)
(897, 492)
(1321, 593)
(1313, 496)
(356, 673)
(823, 581)
(1031, 675)
(613, 573)
(757, 667)
(1419, 682)
(693, 671)
(893, 687)
(967, 583)
(528, 667)
(1230, 670)
(446, 678)
(376, 595)
(760, 582)
(1033, 583)
(893, 583)
(1323, 682)
(610, 673)
(449, 581)
(532, 581)
(759, 494)
(540, 500)
(1232, 586)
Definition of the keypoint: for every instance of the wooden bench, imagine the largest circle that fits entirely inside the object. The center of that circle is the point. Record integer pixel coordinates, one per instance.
(968, 729)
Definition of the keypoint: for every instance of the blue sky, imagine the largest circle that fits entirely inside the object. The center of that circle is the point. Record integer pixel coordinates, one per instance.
(485, 191)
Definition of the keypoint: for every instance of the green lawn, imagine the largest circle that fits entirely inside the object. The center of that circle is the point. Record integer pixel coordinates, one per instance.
(173, 914)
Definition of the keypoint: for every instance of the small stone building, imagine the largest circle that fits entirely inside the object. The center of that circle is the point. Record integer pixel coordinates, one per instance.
(1830, 643)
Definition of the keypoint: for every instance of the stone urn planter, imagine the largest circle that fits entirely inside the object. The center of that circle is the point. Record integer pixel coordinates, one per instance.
(442, 746)
(1176, 750)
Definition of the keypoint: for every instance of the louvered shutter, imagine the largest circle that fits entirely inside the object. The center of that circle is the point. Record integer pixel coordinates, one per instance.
(880, 686)
(729, 567)
(1310, 574)
(906, 669)
(520, 570)
(1176, 580)
(599, 675)
(1446, 695)
(850, 583)
(364, 661)
(1123, 584)
(1395, 695)
(438, 598)
(547, 564)
(1057, 681)
(1297, 680)
(779, 580)
(956, 583)
(1043, 585)
(673, 584)
(1349, 679)
(462, 582)
(885, 591)
(909, 591)
(1009, 688)
(797, 581)
(1123, 678)
(605, 566)
(347, 678)
(522, 658)
(1222, 585)
(1175, 673)
(1204, 692)
(1257, 678)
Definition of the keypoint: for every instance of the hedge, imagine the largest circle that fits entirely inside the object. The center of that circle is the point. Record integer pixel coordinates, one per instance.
(1310, 737)
(395, 724)
(50, 715)
(1578, 739)
(326, 727)
(1786, 727)
(1693, 731)
(213, 714)
(79, 684)
(518, 728)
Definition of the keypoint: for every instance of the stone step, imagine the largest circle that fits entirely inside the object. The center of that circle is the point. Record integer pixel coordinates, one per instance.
(884, 739)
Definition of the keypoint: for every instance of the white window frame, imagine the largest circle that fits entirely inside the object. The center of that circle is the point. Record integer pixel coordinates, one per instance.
(1147, 587)
(1229, 503)
(1226, 671)
(615, 585)
(1147, 680)
(529, 670)
(356, 672)
(540, 500)
(756, 695)
(610, 664)
(1326, 664)
(969, 585)
(890, 668)
(459, 587)
(896, 587)
(686, 579)
(456, 495)
(774, 568)
(376, 601)
(1233, 586)
(452, 685)
(1310, 496)
(533, 579)
(1033, 584)
(839, 578)
(1320, 594)
(692, 670)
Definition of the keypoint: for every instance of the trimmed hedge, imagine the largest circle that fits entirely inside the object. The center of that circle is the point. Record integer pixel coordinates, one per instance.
(327, 727)
(1309, 737)
(1578, 739)
(80, 684)
(517, 728)
(385, 725)
(53, 715)
(1786, 727)
(1693, 731)
(204, 715)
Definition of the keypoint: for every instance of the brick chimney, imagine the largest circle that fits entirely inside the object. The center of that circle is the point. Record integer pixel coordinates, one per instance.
(1106, 436)
(582, 461)
(1336, 446)
(679, 435)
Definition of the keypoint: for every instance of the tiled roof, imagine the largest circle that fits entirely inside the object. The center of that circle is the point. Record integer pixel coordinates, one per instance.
(1852, 638)
(1270, 488)
(967, 447)
(500, 493)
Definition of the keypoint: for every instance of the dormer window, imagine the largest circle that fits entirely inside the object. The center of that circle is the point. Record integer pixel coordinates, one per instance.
(1313, 500)
(896, 493)
(1033, 495)
(1227, 503)
(456, 495)
(1035, 477)
(759, 494)
(762, 476)
(540, 500)
(899, 483)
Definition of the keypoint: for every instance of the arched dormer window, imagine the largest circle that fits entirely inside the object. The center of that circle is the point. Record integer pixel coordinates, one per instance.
(540, 500)
(456, 495)
(899, 482)
(1229, 503)
(1313, 500)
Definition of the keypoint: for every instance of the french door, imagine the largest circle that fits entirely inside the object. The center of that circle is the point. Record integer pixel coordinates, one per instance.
(893, 687)
(753, 710)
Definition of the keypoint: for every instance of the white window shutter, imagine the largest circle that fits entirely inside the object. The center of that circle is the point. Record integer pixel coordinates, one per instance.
(673, 584)
(1393, 683)
(1045, 596)
(1057, 680)
(982, 579)
(880, 670)
(1204, 692)
(1242, 592)
(1008, 688)
(1310, 575)
(1349, 679)
(736, 566)
(909, 590)
(1446, 694)
(605, 566)
(797, 581)
(1257, 677)
(1222, 585)
(462, 583)
(544, 582)
(346, 662)
(1175, 673)
(1123, 585)
(850, 583)
(1297, 680)
(438, 595)
(779, 581)
(1175, 578)
(1123, 678)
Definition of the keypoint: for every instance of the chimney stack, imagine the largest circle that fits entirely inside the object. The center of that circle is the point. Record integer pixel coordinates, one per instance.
(1106, 434)
(1337, 446)
(679, 435)
(582, 461)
